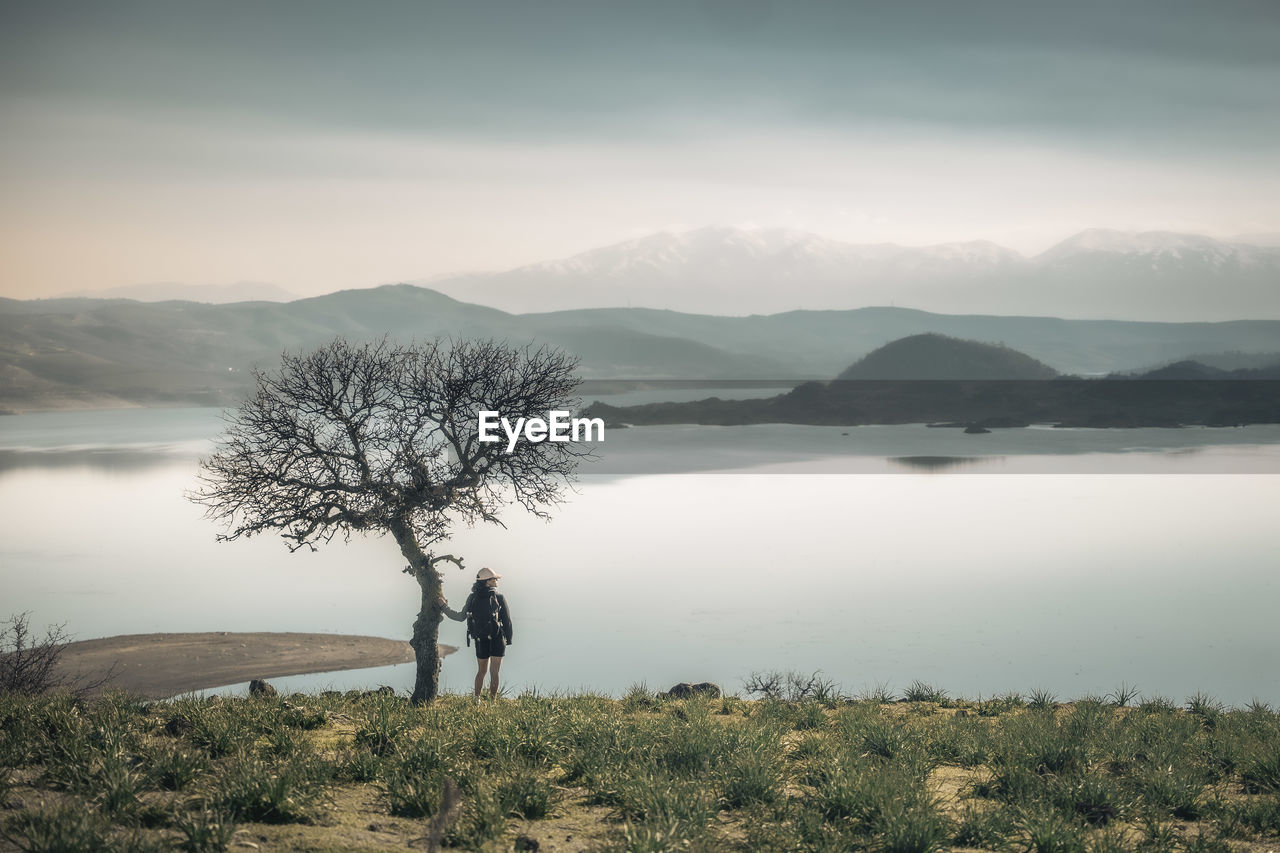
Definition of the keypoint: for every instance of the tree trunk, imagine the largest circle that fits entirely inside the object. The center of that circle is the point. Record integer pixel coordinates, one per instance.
(426, 635)
(426, 628)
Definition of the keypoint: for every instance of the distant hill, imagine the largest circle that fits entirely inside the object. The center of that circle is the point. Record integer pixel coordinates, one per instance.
(97, 352)
(1190, 369)
(979, 405)
(216, 294)
(933, 356)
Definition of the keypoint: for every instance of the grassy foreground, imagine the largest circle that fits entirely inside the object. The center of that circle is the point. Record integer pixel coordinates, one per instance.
(637, 774)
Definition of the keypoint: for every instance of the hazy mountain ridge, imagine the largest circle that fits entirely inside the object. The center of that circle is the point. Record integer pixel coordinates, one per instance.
(1096, 273)
(97, 352)
(216, 294)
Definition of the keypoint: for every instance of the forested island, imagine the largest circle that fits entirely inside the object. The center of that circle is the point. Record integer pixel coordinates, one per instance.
(949, 382)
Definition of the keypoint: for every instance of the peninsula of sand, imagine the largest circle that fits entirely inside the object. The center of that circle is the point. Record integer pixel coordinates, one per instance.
(157, 666)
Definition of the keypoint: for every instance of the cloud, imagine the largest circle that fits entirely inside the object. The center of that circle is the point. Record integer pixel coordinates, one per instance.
(318, 145)
(1172, 75)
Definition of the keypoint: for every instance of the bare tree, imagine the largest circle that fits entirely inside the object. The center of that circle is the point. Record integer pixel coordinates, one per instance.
(30, 665)
(383, 438)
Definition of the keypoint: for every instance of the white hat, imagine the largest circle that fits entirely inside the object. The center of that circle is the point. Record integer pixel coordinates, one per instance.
(486, 574)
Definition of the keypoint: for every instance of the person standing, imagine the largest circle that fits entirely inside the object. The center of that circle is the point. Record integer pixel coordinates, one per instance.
(489, 623)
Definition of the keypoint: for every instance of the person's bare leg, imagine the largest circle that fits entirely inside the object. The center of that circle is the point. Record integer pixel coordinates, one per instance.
(482, 664)
(495, 664)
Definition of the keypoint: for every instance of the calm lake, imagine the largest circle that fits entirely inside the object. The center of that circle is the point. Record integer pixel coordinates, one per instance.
(1068, 560)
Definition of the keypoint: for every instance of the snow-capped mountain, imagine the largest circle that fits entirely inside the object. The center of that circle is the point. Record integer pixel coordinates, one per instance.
(710, 254)
(1160, 275)
(1162, 247)
(720, 270)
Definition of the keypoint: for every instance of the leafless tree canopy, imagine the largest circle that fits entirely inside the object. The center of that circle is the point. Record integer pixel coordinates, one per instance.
(380, 436)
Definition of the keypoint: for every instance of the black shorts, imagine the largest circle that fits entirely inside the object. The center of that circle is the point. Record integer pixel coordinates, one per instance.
(494, 647)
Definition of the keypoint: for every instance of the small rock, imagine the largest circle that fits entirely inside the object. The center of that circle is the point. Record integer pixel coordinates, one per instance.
(259, 689)
(526, 842)
(178, 726)
(684, 690)
(374, 827)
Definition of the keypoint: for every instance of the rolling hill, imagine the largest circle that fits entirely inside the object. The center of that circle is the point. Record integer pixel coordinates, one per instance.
(933, 356)
(88, 352)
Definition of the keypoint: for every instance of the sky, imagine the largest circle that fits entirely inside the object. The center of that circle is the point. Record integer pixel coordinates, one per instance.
(318, 146)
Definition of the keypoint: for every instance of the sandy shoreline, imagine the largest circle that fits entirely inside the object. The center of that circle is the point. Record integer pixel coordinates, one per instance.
(161, 665)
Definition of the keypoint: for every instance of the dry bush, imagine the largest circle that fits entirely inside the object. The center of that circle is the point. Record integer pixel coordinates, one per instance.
(29, 665)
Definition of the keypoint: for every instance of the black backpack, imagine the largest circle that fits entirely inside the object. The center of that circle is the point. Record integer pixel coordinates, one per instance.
(483, 619)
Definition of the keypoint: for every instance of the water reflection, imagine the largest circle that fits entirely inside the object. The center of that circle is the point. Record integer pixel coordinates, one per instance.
(939, 463)
(117, 459)
(957, 574)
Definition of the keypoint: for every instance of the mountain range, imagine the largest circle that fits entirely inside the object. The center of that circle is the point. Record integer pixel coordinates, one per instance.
(94, 352)
(1098, 273)
(217, 294)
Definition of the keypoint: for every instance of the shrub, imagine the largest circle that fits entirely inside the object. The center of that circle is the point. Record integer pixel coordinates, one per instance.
(791, 686)
(220, 730)
(865, 794)
(29, 665)
(809, 746)
(60, 829)
(879, 694)
(204, 831)
(913, 827)
(115, 787)
(987, 828)
(638, 698)
(654, 838)
(412, 794)
(751, 777)
(650, 795)
(1172, 789)
(253, 790)
(382, 725)
(526, 795)
(1046, 831)
(1261, 772)
(359, 765)
(1208, 709)
(919, 691)
(1041, 700)
(1156, 705)
(998, 705)
(1093, 797)
(483, 819)
(884, 739)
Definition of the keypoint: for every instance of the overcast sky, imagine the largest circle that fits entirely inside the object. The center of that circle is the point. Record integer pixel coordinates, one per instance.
(325, 145)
